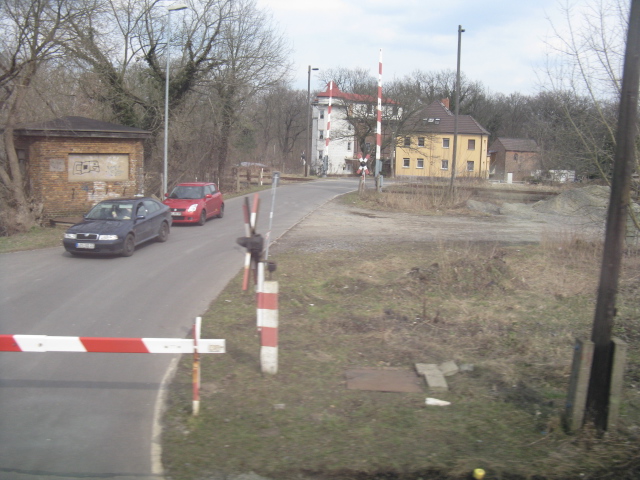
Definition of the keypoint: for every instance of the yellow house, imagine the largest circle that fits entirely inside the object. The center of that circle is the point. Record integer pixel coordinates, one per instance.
(428, 150)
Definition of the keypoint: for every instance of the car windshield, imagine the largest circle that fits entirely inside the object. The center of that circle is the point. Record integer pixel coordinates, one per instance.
(186, 192)
(111, 211)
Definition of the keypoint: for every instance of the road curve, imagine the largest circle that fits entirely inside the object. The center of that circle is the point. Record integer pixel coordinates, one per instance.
(91, 416)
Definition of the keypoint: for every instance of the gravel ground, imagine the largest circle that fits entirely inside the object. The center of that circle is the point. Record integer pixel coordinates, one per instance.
(577, 212)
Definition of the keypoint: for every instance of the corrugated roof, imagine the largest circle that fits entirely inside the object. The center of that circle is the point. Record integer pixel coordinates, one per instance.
(516, 144)
(79, 127)
(436, 118)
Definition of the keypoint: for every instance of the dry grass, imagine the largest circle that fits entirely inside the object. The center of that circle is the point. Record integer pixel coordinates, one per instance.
(511, 312)
(414, 198)
(37, 237)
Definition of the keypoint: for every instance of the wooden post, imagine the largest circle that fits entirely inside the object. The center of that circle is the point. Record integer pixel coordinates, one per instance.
(600, 383)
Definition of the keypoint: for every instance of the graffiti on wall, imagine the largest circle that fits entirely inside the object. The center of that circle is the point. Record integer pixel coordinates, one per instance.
(98, 167)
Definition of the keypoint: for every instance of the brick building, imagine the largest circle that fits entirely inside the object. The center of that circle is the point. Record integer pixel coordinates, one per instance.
(513, 159)
(72, 163)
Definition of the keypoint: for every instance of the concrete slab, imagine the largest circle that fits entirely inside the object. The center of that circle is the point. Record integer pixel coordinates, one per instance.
(449, 368)
(384, 380)
(433, 375)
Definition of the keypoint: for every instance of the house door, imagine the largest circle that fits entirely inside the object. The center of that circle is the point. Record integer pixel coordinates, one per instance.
(510, 177)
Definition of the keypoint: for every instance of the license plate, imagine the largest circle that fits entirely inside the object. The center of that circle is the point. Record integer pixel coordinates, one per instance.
(89, 246)
(176, 214)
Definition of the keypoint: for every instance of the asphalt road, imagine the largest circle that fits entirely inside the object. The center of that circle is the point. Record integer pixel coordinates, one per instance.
(95, 416)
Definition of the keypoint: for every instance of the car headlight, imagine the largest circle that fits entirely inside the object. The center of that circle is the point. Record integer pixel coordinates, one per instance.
(108, 237)
(192, 208)
(70, 235)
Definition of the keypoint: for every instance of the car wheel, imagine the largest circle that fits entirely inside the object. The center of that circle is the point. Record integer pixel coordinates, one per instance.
(163, 234)
(221, 214)
(203, 217)
(129, 246)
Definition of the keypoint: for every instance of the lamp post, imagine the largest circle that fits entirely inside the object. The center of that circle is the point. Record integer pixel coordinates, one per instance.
(171, 8)
(307, 145)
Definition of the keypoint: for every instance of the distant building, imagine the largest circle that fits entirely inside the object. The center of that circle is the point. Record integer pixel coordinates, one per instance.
(72, 163)
(348, 110)
(427, 151)
(513, 159)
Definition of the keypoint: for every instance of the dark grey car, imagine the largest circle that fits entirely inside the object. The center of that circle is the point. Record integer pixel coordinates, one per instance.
(117, 226)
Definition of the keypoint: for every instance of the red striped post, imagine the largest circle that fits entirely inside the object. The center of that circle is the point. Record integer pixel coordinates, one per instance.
(267, 321)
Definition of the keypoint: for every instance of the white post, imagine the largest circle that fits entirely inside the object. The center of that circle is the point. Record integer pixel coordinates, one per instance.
(196, 366)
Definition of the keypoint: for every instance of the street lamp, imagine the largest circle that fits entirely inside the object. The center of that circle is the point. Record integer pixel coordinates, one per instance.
(308, 159)
(171, 8)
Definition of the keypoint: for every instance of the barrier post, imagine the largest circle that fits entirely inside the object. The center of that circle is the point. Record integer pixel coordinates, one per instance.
(267, 320)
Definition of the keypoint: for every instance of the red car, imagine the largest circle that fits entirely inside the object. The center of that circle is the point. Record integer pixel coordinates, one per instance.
(195, 202)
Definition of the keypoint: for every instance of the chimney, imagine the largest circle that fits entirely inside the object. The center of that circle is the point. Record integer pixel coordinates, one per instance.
(445, 102)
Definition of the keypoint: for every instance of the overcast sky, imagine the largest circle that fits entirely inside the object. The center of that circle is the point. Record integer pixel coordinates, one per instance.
(503, 45)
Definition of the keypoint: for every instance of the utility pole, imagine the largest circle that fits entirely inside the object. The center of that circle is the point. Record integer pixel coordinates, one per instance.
(600, 379)
(455, 121)
(307, 158)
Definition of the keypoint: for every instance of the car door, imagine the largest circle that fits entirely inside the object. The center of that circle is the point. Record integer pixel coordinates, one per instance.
(142, 225)
(215, 201)
(154, 218)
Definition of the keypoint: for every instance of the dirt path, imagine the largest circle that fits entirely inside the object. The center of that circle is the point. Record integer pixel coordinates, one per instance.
(344, 227)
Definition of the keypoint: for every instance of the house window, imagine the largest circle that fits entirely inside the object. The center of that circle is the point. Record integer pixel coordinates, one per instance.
(445, 143)
(321, 113)
(407, 141)
(349, 146)
(445, 165)
(421, 141)
(321, 134)
(406, 163)
(515, 157)
(471, 145)
(437, 122)
(470, 166)
(420, 163)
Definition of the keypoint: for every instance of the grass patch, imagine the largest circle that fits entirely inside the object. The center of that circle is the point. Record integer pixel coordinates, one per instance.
(37, 237)
(511, 312)
(421, 199)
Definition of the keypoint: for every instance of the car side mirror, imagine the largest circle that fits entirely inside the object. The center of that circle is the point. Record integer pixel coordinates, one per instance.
(166, 195)
(140, 217)
(208, 195)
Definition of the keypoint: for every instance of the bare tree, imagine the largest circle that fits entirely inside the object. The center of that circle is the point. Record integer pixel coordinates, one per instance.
(588, 53)
(29, 40)
(287, 110)
(255, 60)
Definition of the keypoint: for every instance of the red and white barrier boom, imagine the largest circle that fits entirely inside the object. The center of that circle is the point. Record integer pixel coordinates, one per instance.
(47, 343)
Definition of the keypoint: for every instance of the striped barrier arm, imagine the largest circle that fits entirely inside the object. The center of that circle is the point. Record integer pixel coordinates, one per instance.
(46, 343)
